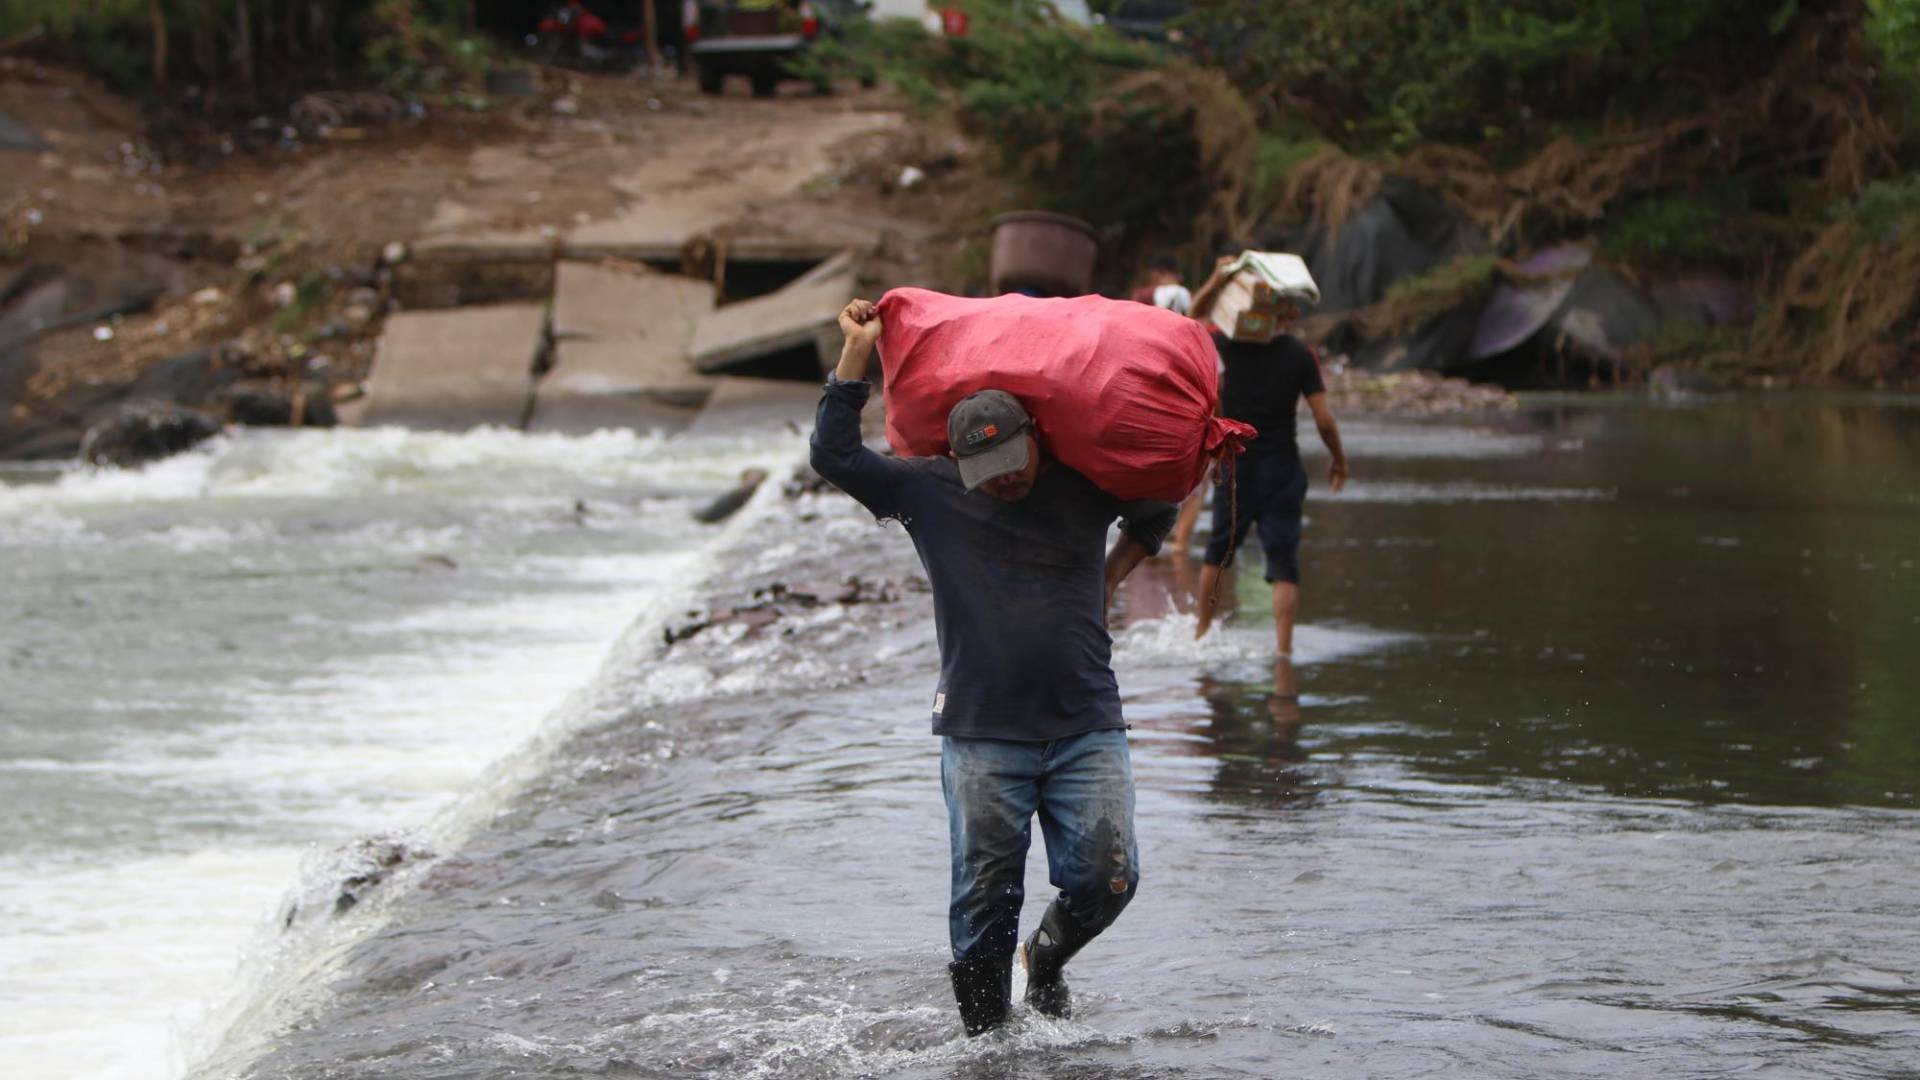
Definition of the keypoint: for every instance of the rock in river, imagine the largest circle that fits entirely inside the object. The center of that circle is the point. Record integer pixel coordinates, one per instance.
(145, 431)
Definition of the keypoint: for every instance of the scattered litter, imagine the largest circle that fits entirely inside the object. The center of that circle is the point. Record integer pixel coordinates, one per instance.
(103, 333)
(283, 294)
(566, 106)
(395, 252)
(208, 295)
(911, 176)
(1417, 393)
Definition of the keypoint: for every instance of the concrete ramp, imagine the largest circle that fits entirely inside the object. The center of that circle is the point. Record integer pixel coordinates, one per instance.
(620, 357)
(802, 314)
(451, 370)
(739, 405)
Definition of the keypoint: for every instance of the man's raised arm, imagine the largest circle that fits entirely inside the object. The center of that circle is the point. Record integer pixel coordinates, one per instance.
(838, 453)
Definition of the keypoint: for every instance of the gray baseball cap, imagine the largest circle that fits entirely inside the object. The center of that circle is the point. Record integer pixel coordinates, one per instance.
(984, 431)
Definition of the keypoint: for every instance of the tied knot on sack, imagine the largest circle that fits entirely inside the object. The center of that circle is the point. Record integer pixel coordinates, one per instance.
(1226, 438)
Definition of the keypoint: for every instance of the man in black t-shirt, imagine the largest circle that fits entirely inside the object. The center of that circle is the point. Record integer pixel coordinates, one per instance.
(1266, 486)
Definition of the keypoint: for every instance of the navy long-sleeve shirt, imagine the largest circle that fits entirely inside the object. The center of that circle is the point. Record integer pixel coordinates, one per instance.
(1019, 589)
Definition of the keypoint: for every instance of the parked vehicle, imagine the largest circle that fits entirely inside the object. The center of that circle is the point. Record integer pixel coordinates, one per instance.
(574, 35)
(762, 39)
(1151, 20)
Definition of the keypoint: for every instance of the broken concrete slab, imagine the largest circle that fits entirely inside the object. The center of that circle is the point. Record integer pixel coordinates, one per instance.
(616, 366)
(625, 300)
(801, 314)
(739, 405)
(452, 370)
(621, 354)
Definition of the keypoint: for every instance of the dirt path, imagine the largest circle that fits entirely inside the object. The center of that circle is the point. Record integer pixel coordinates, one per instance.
(261, 248)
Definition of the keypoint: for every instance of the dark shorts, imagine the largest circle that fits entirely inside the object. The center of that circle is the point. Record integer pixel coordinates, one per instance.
(1271, 494)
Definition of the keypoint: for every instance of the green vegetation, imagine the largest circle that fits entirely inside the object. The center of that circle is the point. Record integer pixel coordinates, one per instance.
(310, 296)
(1770, 140)
(1775, 142)
(1847, 306)
(1884, 208)
(1676, 230)
(1473, 71)
(254, 51)
(1411, 303)
(1154, 149)
(1758, 139)
(1894, 26)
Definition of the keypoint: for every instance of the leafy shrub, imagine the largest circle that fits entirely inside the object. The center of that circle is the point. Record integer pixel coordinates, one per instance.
(1894, 27)
(1847, 305)
(1464, 283)
(1398, 71)
(416, 45)
(1883, 208)
(1668, 229)
(276, 48)
(1085, 122)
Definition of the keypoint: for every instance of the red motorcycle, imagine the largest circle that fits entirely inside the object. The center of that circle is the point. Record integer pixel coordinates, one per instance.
(572, 35)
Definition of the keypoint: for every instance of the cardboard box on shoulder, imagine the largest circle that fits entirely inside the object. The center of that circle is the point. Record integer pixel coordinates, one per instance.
(1258, 327)
(1262, 286)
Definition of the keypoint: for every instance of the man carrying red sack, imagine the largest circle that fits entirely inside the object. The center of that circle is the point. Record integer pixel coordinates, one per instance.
(1027, 707)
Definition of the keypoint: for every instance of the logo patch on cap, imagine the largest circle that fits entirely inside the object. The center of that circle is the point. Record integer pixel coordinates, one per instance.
(975, 438)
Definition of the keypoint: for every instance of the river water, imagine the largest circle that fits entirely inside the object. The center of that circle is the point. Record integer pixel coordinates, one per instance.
(1598, 756)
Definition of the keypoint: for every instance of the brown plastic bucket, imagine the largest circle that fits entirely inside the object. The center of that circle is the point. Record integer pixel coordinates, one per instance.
(1044, 253)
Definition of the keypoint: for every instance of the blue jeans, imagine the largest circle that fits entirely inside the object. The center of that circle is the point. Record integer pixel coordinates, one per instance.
(1082, 788)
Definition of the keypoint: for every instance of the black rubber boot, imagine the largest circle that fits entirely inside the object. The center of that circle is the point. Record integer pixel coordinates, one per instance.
(983, 986)
(1045, 954)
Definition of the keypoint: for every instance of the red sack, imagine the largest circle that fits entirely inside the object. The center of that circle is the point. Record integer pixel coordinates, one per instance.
(1123, 393)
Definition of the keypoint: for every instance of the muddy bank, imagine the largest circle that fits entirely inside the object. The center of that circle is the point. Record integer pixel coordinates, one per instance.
(128, 248)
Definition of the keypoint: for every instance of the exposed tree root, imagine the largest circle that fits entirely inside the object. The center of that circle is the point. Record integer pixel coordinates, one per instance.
(1813, 111)
(1847, 306)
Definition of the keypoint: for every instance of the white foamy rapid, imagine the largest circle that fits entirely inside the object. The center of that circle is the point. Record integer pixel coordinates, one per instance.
(247, 656)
